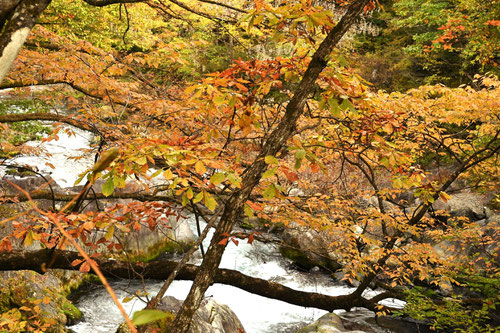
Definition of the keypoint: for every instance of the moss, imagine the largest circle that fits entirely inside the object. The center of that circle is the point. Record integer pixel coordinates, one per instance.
(161, 325)
(298, 257)
(25, 130)
(247, 225)
(71, 312)
(154, 251)
(303, 261)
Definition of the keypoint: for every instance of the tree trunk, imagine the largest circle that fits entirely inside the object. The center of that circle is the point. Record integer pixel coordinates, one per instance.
(272, 146)
(18, 17)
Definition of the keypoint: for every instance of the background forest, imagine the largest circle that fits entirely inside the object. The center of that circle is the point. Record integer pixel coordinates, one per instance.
(361, 137)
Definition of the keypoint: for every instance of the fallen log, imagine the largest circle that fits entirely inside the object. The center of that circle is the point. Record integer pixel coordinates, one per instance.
(42, 260)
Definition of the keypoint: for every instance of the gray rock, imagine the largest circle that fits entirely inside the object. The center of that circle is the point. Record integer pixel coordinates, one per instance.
(309, 248)
(211, 317)
(469, 205)
(329, 323)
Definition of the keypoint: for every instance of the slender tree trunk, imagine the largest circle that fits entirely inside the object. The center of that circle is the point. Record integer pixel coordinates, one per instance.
(273, 145)
(17, 18)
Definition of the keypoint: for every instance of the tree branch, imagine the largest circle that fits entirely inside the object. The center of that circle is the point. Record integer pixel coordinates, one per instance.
(160, 269)
(16, 117)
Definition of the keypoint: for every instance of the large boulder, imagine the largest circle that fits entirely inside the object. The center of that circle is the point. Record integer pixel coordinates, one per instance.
(329, 323)
(211, 317)
(35, 300)
(466, 204)
(308, 248)
(172, 235)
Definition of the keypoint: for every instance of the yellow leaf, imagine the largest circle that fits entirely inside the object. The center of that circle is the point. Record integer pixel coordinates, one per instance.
(200, 168)
(168, 175)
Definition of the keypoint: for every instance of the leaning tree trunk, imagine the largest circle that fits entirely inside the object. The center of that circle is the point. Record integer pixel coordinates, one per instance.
(17, 17)
(276, 141)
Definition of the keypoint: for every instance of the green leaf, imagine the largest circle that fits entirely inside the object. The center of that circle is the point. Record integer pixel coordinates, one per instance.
(334, 107)
(185, 199)
(109, 234)
(299, 155)
(269, 173)
(108, 187)
(198, 197)
(271, 160)
(80, 177)
(248, 210)
(219, 100)
(210, 202)
(270, 192)
(146, 316)
(217, 178)
(235, 180)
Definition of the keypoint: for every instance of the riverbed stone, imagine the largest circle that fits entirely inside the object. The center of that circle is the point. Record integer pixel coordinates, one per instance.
(466, 204)
(329, 323)
(211, 317)
(309, 248)
(26, 293)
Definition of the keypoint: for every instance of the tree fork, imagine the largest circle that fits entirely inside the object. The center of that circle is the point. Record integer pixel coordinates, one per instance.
(274, 143)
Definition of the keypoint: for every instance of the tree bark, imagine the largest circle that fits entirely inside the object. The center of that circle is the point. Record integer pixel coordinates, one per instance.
(41, 260)
(272, 146)
(18, 17)
(16, 117)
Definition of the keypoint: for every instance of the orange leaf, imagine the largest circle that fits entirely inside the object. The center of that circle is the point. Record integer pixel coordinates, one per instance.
(224, 241)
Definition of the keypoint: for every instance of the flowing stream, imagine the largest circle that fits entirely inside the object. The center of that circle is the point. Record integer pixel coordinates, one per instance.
(257, 314)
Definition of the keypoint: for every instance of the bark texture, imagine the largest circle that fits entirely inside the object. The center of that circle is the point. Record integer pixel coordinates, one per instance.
(17, 18)
(275, 142)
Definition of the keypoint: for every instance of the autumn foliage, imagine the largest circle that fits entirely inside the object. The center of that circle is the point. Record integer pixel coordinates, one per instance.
(196, 140)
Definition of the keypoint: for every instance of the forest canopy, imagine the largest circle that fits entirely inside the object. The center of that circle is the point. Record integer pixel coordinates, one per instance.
(361, 120)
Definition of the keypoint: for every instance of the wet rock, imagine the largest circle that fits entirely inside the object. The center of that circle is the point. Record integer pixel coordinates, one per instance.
(365, 321)
(329, 323)
(211, 317)
(40, 297)
(308, 248)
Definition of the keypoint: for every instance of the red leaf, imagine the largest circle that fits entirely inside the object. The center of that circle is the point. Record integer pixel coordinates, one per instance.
(85, 267)
(224, 241)
(235, 241)
(256, 207)
(250, 238)
(314, 167)
(76, 262)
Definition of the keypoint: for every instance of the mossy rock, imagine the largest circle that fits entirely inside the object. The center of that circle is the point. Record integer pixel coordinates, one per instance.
(161, 325)
(72, 313)
(154, 251)
(306, 262)
(30, 301)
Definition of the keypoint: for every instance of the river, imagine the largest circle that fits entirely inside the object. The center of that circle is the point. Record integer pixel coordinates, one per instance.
(257, 314)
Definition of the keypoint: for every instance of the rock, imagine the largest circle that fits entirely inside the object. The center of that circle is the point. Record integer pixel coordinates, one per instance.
(211, 317)
(469, 205)
(23, 292)
(308, 248)
(365, 321)
(329, 323)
